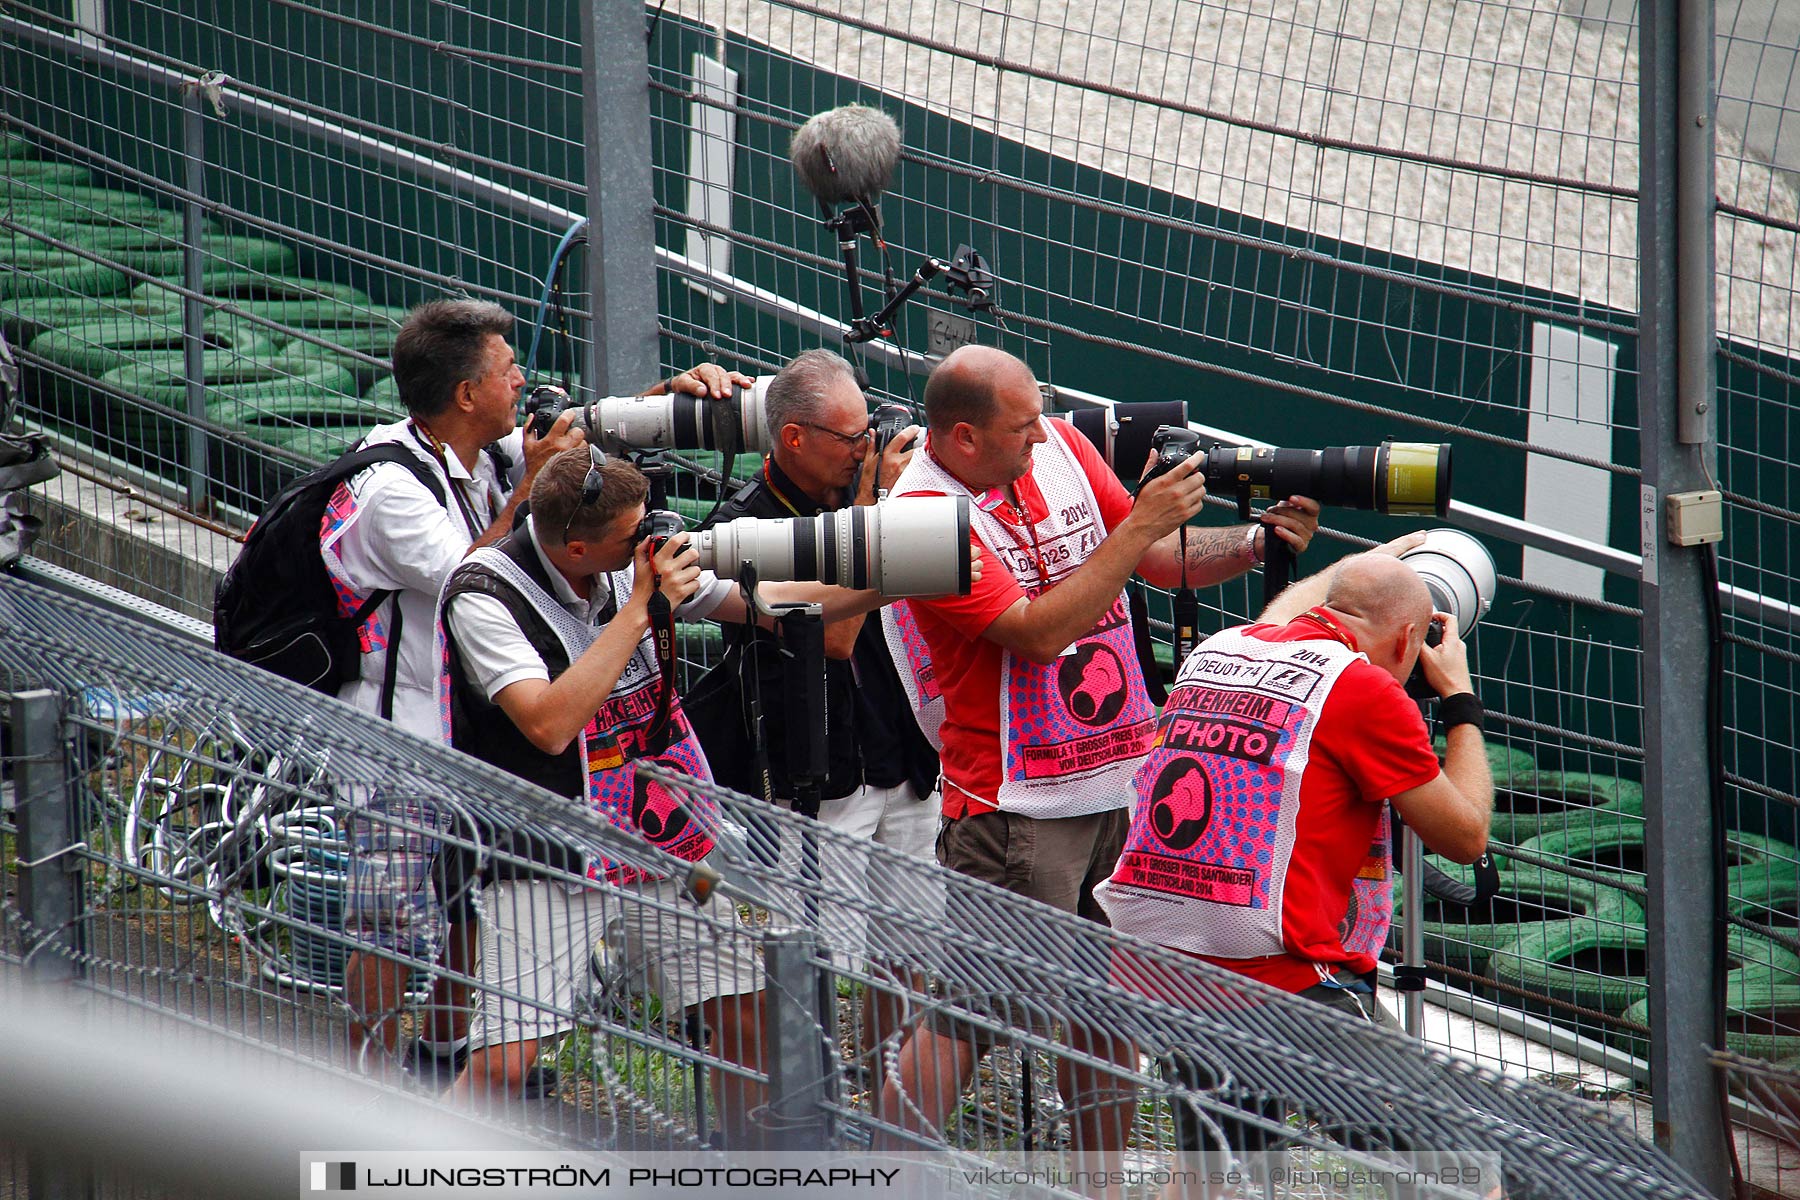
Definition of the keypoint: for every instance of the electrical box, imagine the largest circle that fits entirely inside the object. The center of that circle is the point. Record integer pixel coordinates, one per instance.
(1695, 518)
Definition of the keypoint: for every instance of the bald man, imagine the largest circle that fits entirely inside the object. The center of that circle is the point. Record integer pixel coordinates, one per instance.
(1045, 715)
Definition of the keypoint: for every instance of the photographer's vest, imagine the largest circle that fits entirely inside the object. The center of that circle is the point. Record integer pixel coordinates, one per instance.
(1206, 862)
(1073, 730)
(600, 763)
(912, 663)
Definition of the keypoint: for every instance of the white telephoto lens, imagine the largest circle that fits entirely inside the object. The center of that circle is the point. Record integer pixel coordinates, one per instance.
(910, 546)
(1459, 572)
(921, 546)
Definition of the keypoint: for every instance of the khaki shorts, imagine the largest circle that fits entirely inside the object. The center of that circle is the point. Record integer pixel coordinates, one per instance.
(537, 953)
(1057, 861)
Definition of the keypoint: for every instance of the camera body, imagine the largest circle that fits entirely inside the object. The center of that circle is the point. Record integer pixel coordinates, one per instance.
(543, 404)
(659, 525)
(1172, 445)
(887, 422)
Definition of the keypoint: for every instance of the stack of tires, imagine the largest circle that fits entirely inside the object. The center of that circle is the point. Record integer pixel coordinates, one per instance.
(287, 360)
(1564, 937)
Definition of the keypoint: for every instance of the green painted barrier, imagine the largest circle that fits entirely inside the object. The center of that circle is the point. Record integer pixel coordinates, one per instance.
(1762, 1017)
(285, 299)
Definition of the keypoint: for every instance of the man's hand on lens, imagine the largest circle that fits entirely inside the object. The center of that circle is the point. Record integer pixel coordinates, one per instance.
(892, 460)
(1165, 504)
(1447, 663)
(709, 380)
(1401, 544)
(540, 450)
(1294, 520)
(974, 564)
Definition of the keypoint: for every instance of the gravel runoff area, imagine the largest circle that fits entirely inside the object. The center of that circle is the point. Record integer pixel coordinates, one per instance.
(1527, 85)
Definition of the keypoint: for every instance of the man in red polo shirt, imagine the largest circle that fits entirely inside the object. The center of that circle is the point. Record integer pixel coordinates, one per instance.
(1045, 713)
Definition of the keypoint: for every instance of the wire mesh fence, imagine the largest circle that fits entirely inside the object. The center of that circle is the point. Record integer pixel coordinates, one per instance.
(211, 812)
(1314, 224)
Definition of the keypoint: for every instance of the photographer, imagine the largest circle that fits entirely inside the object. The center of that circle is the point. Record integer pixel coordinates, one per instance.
(385, 531)
(1045, 713)
(1316, 747)
(552, 674)
(882, 772)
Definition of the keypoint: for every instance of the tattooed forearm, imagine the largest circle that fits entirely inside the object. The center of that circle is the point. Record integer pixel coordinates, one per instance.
(1216, 554)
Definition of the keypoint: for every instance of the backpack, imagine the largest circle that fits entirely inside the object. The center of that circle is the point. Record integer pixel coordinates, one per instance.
(276, 608)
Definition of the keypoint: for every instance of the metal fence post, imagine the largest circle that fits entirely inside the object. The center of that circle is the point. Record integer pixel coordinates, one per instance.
(193, 311)
(800, 1042)
(1676, 396)
(622, 352)
(50, 881)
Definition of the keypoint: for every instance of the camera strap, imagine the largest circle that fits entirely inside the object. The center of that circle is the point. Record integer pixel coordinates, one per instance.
(662, 637)
(1146, 650)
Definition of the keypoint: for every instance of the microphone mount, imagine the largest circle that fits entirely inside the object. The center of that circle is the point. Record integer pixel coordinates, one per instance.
(967, 273)
(855, 220)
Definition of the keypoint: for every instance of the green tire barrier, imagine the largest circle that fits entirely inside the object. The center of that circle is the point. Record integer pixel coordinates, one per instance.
(1767, 892)
(12, 146)
(128, 228)
(1762, 1018)
(93, 348)
(1612, 842)
(1603, 967)
(369, 331)
(1529, 898)
(23, 320)
(38, 173)
(232, 386)
(285, 299)
(384, 394)
(61, 278)
(1542, 802)
(83, 204)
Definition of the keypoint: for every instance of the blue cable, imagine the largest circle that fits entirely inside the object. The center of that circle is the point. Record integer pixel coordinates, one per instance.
(562, 248)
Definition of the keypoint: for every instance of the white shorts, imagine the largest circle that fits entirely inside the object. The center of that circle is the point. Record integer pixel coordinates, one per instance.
(537, 952)
(854, 882)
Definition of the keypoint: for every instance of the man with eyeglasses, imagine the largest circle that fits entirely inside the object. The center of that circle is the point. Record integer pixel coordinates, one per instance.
(551, 673)
(385, 531)
(881, 776)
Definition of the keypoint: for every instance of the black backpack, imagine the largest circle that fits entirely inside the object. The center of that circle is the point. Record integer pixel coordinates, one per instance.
(276, 607)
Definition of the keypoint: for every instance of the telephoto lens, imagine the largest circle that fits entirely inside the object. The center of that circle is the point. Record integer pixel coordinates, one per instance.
(1399, 478)
(908, 546)
(621, 424)
(1459, 573)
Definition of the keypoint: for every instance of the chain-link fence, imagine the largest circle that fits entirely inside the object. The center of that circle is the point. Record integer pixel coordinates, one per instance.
(1317, 224)
(198, 841)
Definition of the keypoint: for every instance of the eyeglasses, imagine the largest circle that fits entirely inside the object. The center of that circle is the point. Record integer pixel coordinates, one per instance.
(591, 485)
(850, 440)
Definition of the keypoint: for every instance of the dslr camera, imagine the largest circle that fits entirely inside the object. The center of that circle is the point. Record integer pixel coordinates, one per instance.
(659, 525)
(618, 424)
